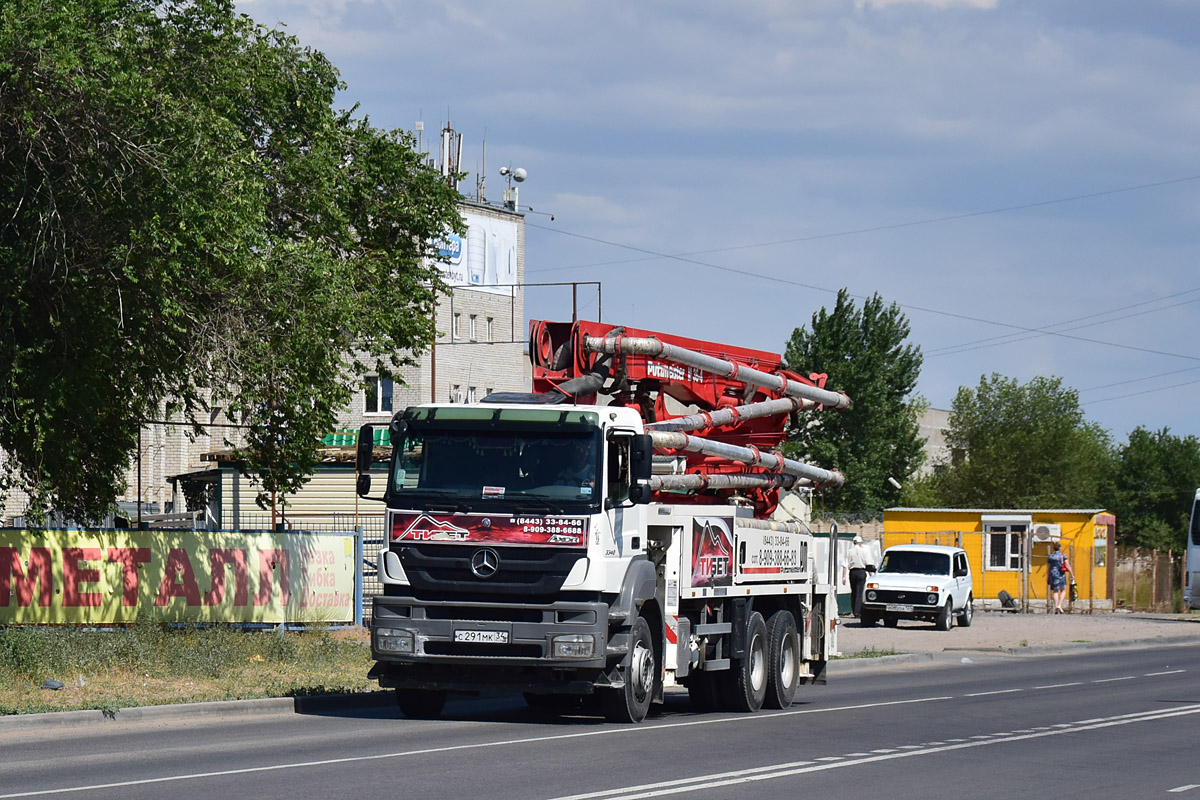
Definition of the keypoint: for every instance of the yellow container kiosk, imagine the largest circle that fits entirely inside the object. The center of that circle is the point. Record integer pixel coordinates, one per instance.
(1008, 547)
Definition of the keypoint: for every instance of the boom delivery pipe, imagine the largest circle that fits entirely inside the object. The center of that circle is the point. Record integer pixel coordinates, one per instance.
(668, 352)
(731, 416)
(668, 440)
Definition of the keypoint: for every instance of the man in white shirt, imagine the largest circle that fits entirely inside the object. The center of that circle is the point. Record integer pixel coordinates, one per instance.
(860, 562)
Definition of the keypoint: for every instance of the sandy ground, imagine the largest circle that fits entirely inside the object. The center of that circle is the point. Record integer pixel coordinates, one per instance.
(994, 630)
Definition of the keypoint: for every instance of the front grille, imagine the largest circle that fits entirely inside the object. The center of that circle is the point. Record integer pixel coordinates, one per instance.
(483, 650)
(910, 597)
(526, 571)
(478, 614)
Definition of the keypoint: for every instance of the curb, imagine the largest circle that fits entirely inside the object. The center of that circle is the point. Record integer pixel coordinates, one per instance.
(308, 704)
(943, 657)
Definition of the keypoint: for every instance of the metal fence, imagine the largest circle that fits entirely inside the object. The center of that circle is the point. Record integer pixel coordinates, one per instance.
(1148, 580)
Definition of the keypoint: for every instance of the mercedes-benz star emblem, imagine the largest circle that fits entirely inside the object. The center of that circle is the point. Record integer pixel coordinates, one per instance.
(485, 562)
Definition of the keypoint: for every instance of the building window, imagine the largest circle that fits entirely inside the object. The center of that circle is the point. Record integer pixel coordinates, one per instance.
(472, 334)
(470, 394)
(491, 331)
(488, 391)
(456, 393)
(377, 395)
(1004, 546)
(456, 326)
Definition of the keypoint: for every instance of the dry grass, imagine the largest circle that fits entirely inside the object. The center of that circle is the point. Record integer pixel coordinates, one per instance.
(153, 665)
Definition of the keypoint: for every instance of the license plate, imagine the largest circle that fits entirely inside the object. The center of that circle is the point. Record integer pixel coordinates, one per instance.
(482, 637)
(899, 608)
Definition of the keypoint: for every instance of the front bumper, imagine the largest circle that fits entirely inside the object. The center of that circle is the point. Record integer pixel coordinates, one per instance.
(520, 636)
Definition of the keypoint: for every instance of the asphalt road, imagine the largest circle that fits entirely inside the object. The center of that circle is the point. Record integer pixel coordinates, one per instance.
(1100, 724)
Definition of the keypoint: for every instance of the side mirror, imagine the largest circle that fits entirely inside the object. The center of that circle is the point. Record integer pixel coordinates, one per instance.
(366, 449)
(363, 485)
(641, 467)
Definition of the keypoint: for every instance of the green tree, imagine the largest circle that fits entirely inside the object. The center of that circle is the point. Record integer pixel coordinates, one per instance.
(186, 220)
(1154, 479)
(1022, 446)
(864, 354)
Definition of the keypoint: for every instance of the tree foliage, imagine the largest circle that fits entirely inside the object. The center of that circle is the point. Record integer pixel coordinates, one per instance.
(1154, 479)
(186, 219)
(864, 354)
(1023, 446)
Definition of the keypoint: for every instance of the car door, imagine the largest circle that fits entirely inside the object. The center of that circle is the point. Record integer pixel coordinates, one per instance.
(962, 580)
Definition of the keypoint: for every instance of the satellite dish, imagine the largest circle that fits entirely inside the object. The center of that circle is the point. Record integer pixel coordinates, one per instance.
(519, 174)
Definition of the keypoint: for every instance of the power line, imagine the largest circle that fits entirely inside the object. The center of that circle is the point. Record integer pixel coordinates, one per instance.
(1143, 392)
(653, 254)
(939, 350)
(1010, 338)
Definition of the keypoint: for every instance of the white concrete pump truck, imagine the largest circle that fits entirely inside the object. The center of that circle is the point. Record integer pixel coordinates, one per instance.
(594, 539)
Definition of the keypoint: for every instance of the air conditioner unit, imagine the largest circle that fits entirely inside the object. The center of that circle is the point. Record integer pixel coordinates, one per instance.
(1047, 532)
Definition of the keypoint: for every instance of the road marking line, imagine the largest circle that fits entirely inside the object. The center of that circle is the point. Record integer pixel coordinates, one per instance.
(999, 691)
(719, 780)
(1187, 788)
(1059, 685)
(884, 750)
(1110, 680)
(1168, 672)
(621, 730)
(830, 758)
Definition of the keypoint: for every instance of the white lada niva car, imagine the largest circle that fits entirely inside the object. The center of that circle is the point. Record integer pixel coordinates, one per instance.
(919, 581)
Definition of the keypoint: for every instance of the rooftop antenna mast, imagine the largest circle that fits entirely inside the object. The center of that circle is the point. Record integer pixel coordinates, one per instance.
(451, 155)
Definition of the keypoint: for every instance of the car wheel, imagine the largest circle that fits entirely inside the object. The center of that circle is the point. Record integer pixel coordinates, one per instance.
(891, 622)
(868, 619)
(968, 612)
(944, 617)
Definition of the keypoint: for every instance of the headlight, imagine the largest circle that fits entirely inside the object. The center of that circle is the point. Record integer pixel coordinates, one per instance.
(932, 599)
(573, 645)
(393, 640)
(871, 595)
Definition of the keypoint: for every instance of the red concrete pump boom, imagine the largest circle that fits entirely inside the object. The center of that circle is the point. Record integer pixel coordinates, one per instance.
(729, 411)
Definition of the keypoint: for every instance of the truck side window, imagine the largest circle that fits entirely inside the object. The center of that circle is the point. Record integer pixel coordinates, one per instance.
(617, 470)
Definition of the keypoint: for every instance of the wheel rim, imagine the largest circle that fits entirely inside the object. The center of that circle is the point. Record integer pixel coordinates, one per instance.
(787, 662)
(758, 664)
(642, 669)
(968, 612)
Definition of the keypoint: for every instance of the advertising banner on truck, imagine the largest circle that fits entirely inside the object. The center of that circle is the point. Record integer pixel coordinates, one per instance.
(516, 529)
(110, 577)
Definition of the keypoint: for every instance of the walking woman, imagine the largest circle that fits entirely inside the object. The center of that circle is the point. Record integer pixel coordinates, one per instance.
(1060, 568)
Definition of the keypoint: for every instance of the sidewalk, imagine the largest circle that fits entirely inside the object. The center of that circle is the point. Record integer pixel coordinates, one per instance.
(999, 631)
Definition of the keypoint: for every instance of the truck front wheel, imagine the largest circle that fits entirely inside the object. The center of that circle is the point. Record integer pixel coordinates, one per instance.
(783, 660)
(420, 704)
(631, 702)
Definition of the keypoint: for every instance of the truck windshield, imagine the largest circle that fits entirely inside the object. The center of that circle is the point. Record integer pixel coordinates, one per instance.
(498, 466)
(914, 561)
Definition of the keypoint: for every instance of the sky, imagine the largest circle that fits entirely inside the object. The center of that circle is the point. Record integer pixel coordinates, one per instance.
(1021, 177)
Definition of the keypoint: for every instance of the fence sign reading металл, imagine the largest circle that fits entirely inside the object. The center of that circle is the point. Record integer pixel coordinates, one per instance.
(108, 577)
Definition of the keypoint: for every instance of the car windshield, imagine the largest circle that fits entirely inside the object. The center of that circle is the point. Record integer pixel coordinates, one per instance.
(916, 561)
(477, 467)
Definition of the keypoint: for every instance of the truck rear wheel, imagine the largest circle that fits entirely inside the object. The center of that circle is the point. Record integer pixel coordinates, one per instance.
(783, 660)
(631, 702)
(747, 688)
(420, 704)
